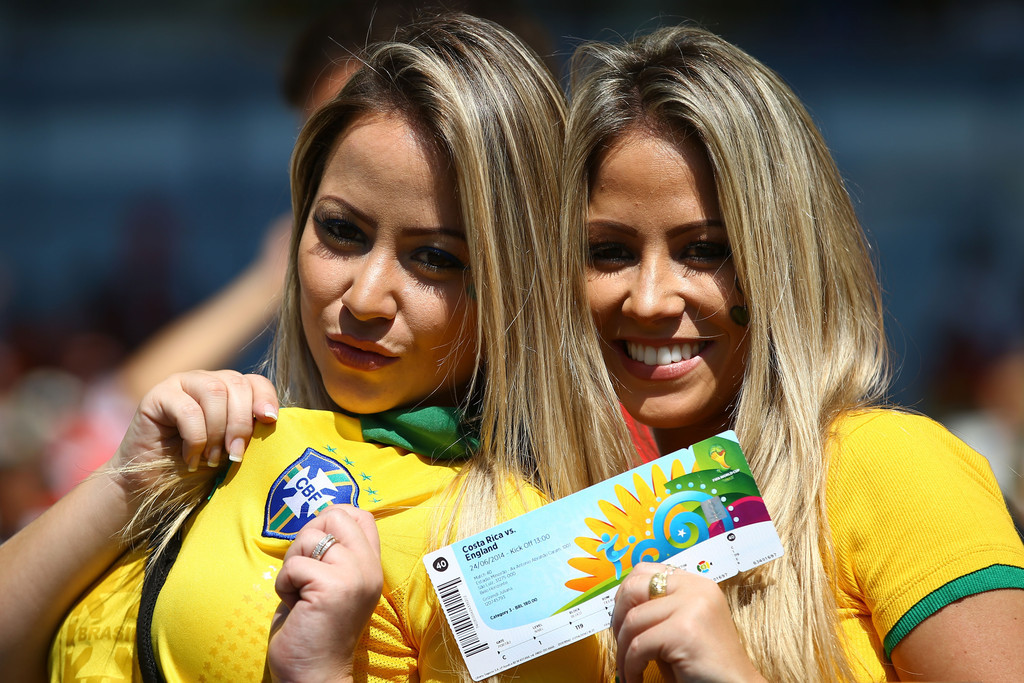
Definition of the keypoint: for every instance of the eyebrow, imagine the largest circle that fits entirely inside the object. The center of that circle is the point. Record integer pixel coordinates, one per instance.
(457, 233)
(672, 232)
(436, 230)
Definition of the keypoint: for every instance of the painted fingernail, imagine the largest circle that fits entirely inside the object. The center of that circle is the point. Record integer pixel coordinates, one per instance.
(268, 411)
(235, 450)
(193, 465)
(213, 460)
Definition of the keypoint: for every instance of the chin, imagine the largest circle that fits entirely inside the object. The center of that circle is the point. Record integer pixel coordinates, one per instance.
(360, 405)
(654, 412)
(671, 412)
(658, 419)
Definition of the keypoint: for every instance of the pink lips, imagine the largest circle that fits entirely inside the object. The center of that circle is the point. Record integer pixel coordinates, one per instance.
(366, 356)
(657, 372)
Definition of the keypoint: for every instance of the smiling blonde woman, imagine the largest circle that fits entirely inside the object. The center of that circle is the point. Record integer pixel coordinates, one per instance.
(732, 287)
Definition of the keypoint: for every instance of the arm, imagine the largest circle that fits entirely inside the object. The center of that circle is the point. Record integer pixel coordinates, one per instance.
(977, 638)
(326, 601)
(942, 580)
(44, 567)
(688, 632)
(217, 330)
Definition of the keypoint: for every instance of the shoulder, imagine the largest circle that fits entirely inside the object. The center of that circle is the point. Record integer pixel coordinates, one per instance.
(888, 464)
(878, 426)
(912, 510)
(876, 446)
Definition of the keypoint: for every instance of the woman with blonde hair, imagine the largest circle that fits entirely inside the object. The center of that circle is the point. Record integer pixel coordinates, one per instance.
(445, 382)
(732, 287)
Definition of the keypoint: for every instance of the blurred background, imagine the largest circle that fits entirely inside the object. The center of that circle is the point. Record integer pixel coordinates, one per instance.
(144, 153)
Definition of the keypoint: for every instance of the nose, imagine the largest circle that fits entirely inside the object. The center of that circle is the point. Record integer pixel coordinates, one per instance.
(374, 287)
(655, 293)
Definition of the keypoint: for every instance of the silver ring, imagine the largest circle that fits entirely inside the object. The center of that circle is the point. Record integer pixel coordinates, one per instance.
(322, 546)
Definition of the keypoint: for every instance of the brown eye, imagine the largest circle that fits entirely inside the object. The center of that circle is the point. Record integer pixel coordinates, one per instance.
(706, 252)
(438, 259)
(609, 253)
(338, 230)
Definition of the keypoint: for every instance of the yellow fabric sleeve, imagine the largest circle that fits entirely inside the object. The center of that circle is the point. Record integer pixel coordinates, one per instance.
(917, 522)
(96, 640)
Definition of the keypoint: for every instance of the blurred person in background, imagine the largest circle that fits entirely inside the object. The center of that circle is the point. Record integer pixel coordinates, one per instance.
(217, 331)
(214, 334)
(991, 420)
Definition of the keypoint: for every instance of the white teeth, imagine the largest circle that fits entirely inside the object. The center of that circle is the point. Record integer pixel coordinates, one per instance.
(663, 355)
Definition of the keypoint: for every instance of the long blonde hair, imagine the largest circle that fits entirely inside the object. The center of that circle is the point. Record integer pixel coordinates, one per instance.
(495, 113)
(548, 415)
(817, 346)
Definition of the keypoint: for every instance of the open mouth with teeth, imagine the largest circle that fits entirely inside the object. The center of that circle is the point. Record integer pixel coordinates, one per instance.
(664, 355)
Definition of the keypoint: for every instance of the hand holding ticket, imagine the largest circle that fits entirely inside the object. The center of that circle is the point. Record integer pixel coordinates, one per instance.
(548, 578)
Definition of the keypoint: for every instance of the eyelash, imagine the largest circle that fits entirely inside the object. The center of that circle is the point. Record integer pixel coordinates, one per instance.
(425, 256)
(339, 230)
(707, 251)
(608, 252)
(699, 251)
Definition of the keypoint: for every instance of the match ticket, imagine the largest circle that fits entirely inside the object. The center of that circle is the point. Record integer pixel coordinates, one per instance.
(548, 578)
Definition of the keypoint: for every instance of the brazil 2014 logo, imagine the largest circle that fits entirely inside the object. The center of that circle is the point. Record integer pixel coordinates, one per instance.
(306, 487)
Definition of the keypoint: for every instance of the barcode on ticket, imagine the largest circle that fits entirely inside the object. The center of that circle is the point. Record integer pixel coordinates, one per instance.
(453, 602)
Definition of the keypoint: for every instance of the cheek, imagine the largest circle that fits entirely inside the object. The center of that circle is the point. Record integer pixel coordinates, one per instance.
(319, 283)
(462, 339)
(601, 298)
(742, 352)
(454, 327)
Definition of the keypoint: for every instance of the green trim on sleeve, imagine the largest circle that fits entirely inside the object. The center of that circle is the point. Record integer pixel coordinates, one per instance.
(990, 578)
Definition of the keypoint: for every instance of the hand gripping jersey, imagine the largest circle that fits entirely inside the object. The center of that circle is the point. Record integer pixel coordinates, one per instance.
(212, 618)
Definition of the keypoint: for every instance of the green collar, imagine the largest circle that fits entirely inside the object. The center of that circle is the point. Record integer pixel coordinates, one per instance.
(437, 432)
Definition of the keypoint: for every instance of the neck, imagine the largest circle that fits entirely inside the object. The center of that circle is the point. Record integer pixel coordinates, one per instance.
(671, 439)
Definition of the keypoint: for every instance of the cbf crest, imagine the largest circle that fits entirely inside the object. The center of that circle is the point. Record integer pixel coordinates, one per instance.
(306, 487)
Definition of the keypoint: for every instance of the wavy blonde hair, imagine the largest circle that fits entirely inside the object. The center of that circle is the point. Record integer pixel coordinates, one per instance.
(546, 411)
(547, 414)
(817, 346)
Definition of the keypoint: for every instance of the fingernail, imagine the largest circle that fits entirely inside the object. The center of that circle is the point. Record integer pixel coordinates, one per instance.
(213, 460)
(193, 465)
(268, 411)
(235, 450)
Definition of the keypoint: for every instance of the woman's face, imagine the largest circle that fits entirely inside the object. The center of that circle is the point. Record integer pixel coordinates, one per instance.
(661, 283)
(383, 272)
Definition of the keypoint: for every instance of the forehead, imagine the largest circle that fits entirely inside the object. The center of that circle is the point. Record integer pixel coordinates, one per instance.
(381, 161)
(649, 168)
(386, 138)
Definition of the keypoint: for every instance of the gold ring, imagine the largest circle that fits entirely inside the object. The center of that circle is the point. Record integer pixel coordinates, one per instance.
(658, 585)
(322, 546)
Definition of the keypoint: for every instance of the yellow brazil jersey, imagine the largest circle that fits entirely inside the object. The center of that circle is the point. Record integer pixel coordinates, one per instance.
(212, 618)
(917, 522)
(96, 641)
